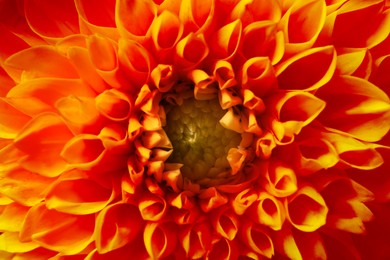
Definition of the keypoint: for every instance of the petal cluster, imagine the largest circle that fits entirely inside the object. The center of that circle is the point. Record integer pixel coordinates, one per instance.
(91, 162)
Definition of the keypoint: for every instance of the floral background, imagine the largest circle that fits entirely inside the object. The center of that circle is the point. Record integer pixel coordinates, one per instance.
(185, 129)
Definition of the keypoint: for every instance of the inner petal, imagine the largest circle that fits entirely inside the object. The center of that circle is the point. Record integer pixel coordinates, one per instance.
(199, 141)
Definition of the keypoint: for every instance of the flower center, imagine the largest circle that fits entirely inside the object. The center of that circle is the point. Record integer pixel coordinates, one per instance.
(199, 141)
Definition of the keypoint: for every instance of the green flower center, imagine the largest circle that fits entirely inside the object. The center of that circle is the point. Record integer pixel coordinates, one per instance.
(199, 141)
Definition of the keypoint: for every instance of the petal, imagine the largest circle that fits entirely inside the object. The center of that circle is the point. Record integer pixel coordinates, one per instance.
(24, 187)
(10, 43)
(67, 234)
(160, 239)
(225, 41)
(228, 98)
(11, 120)
(364, 116)
(225, 223)
(166, 30)
(210, 198)
(350, 60)
(256, 10)
(102, 52)
(196, 240)
(12, 217)
(52, 20)
(306, 209)
(264, 145)
(268, 210)
(310, 245)
(243, 201)
(152, 208)
(114, 105)
(236, 158)
(134, 18)
(196, 15)
(224, 74)
(83, 151)
(355, 15)
(257, 239)
(9, 242)
(100, 13)
(380, 78)
(232, 121)
(191, 50)
(223, 249)
(302, 24)
(163, 77)
(258, 76)
(298, 71)
(38, 62)
(77, 196)
(281, 180)
(116, 226)
(46, 133)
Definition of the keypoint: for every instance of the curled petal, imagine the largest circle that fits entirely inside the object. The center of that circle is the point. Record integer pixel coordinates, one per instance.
(264, 145)
(268, 211)
(224, 43)
(223, 249)
(306, 209)
(114, 105)
(83, 151)
(102, 52)
(281, 180)
(243, 201)
(135, 61)
(116, 226)
(191, 50)
(196, 240)
(252, 102)
(152, 208)
(256, 10)
(260, 39)
(35, 62)
(195, 15)
(9, 242)
(52, 20)
(78, 196)
(225, 223)
(355, 15)
(166, 30)
(11, 217)
(255, 237)
(136, 170)
(156, 139)
(298, 72)
(46, 133)
(160, 239)
(224, 74)
(258, 76)
(205, 87)
(366, 114)
(236, 158)
(302, 24)
(232, 121)
(163, 77)
(67, 234)
(134, 18)
(228, 98)
(210, 199)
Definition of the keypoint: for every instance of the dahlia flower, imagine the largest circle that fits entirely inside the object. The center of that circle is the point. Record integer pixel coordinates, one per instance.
(184, 129)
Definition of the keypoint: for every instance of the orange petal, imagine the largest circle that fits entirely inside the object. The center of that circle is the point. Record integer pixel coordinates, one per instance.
(236, 158)
(102, 52)
(225, 41)
(306, 209)
(195, 15)
(196, 240)
(11, 120)
(135, 61)
(37, 62)
(77, 196)
(163, 77)
(160, 239)
(255, 237)
(302, 24)
(258, 76)
(265, 144)
(13, 185)
(52, 20)
(9, 242)
(210, 199)
(224, 74)
(223, 249)
(166, 30)
(285, 244)
(243, 201)
(256, 10)
(152, 208)
(10, 43)
(67, 234)
(298, 71)
(11, 217)
(281, 180)
(225, 223)
(116, 226)
(191, 50)
(228, 98)
(114, 105)
(134, 18)
(268, 211)
(364, 116)
(47, 134)
(232, 121)
(83, 151)
(355, 15)
(349, 61)
(253, 102)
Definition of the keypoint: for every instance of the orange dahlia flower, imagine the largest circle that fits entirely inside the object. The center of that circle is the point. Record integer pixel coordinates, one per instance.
(184, 129)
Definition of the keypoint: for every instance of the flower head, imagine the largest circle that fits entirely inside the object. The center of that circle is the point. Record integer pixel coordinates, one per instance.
(188, 129)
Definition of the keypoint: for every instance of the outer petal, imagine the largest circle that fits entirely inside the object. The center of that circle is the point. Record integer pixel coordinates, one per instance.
(116, 226)
(11, 120)
(9, 242)
(57, 231)
(258, 239)
(160, 239)
(11, 217)
(365, 116)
